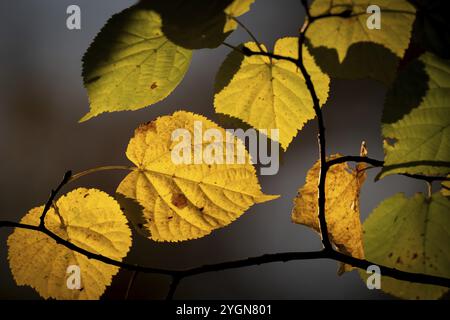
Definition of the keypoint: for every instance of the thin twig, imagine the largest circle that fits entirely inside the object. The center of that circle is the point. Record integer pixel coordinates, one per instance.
(173, 287)
(53, 193)
(379, 163)
(320, 137)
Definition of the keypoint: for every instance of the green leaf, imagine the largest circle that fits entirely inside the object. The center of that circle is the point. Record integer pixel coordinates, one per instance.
(197, 24)
(410, 235)
(131, 64)
(345, 47)
(415, 120)
(269, 93)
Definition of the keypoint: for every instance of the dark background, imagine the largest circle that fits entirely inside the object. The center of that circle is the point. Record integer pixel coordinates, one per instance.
(42, 98)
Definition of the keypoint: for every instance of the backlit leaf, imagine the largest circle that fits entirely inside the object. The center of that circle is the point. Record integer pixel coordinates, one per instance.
(131, 64)
(416, 122)
(236, 9)
(187, 200)
(343, 185)
(410, 234)
(269, 93)
(346, 48)
(88, 218)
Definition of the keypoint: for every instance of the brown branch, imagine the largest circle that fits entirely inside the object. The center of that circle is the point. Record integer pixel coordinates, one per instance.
(248, 262)
(178, 275)
(320, 136)
(379, 163)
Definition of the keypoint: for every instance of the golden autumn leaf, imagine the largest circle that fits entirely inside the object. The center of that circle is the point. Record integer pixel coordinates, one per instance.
(342, 188)
(88, 218)
(270, 93)
(183, 201)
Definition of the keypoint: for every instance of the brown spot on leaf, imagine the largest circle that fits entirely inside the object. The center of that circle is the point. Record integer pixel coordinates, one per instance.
(149, 126)
(154, 86)
(399, 260)
(390, 255)
(179, 200)
(414, 256)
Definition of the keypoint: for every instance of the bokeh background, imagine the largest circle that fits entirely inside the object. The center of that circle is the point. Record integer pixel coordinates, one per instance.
(42, 98)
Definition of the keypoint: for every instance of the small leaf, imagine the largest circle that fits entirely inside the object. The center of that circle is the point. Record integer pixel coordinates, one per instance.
(236, 9)
(269, 93)
(410, 234)
(342, 189)
(415, 122)
(345, 47)
(187, 201)
(131, 64)
(88, 218)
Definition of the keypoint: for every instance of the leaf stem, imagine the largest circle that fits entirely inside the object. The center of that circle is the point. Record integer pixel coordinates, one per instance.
(98, 169)
(249, 33)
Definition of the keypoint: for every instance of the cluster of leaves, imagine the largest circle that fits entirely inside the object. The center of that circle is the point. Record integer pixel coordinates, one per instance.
(142, 54)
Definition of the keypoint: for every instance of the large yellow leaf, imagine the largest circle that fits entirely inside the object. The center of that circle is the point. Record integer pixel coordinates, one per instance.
(342, 188)
(88, 218)
(341, 33)
(269, 93)
(186, 201)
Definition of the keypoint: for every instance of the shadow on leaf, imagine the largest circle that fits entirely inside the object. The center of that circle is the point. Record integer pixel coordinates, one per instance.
(363, 60)
(192, 24)
(134, 213)
(406, 93)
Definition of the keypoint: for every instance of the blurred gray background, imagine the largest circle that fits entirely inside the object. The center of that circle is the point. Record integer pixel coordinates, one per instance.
(42, 98)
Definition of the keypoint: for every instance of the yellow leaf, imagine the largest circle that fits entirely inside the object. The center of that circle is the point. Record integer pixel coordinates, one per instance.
(186, 201)
(270, 94)
(235, 9)
(342, 189)
(397, 17)
(88, 218)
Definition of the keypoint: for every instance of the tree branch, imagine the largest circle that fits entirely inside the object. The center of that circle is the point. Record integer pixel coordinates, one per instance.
(379, 163)
(248, 262)
(178, 275)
